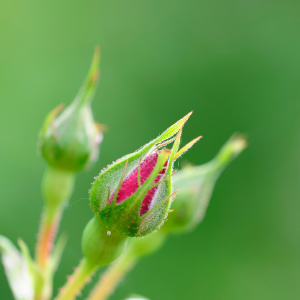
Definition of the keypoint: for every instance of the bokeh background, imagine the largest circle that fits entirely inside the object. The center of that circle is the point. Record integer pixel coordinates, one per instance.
(236, 63)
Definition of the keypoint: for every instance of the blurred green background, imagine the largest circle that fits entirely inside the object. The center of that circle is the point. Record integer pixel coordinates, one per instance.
(235, 63)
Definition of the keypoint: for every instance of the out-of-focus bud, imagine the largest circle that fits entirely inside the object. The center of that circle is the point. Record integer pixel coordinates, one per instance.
(144, 246)
(136, 297)
(70, 141)
(195, 186)
(133, 195)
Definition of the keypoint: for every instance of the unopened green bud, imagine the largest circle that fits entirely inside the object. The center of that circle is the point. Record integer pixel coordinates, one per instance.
(195, 186)
(70, 141)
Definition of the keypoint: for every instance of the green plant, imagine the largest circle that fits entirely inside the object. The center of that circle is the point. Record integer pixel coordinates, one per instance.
(132, 201)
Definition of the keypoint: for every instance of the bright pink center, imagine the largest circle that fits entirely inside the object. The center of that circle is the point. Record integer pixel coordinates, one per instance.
(130, 184)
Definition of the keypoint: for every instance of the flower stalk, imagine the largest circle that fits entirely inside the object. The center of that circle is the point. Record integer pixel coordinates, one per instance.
(77, 281)
(110, 279)
(69, 142)
(57, 187)
(114, 274)
(99, 249)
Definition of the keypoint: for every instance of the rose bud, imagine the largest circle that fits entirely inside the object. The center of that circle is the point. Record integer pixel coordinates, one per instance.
(70, 141)
(132, 197)
(195, 186)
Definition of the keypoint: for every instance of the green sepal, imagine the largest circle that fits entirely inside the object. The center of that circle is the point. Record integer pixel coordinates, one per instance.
(155, 217)
(108, 182)
(124, 218)
(17, 271)
(87, 91)
(49, 120)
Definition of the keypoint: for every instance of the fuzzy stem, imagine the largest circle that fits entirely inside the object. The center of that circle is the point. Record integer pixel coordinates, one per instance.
(48, 228)
(77, 281)
(112, 277)
(57, 187)
(136, 249)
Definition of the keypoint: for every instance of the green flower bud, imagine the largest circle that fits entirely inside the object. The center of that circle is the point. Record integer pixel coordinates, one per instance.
(70, 141)
(195, 186)
(132, 196)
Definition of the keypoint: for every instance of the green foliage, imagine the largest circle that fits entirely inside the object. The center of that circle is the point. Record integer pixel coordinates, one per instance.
(69, 142)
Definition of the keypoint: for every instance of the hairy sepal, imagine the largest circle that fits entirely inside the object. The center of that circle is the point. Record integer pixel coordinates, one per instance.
(154, 218)
(108, 180)
(124, 218)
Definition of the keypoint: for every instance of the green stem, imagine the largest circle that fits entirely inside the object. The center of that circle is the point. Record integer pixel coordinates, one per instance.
(110, 279)
(136, 249)
(57, 187)
(77, 281)
(48, 228)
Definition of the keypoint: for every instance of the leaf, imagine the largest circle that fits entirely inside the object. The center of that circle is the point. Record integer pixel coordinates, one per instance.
(43, 282)
(17, 271)
(36, 275)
